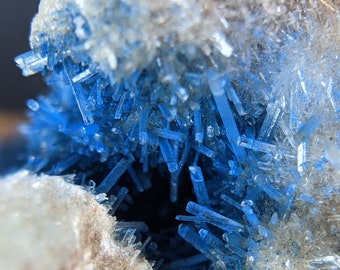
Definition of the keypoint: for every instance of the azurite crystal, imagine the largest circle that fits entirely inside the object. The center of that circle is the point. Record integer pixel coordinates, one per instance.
(242, 96)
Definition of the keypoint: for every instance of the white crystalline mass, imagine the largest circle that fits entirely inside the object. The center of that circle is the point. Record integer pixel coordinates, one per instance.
(127, 33)
(47, 223)
(124, 35)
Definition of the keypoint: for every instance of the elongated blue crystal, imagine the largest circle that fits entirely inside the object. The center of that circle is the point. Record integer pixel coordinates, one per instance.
(235, 243)
(204, 150)
(82, 103)
(301, 156)
(112, 178)
(231, 201)
(274, 113)
(144, 157)
(189, 218)
(168, 155)
(249, 212)
(30, 63)
(217, 84)
(199, 132)
(170, 134)
(288, 133)
(333, 95)
(118, 113)
(199, 185)
(135, 179)
(188, 234)
(165, 111)
(234, 98)
(294, 121)
(257, 146)
(217, 247)
(143, 126)
(120, 197)
(83, 76)
(213, 218)
(64, 165)
(302, 81)
(307, 129)
(245, 207)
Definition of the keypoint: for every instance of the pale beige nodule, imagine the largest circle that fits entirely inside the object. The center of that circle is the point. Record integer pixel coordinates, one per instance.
(47, 223)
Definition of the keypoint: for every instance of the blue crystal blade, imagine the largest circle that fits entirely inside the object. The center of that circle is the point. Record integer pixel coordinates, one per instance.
(168, 155)
(30, 63)
(216, 85)
(200, 188)
(213, 218)
(112, 178)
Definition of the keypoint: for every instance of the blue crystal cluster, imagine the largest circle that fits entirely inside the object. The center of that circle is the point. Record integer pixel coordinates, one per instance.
(216, 128)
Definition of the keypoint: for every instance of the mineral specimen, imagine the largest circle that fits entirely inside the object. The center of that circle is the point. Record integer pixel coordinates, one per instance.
(241, 97)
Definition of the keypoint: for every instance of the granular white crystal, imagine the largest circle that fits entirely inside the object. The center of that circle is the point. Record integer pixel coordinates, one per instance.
(48, 223)
(146, 24)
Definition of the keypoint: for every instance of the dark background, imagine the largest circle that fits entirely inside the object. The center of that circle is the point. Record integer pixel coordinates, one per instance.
(15, 21)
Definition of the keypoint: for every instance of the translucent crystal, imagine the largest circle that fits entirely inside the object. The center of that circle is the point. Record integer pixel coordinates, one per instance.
(216, 85)
(168, 155)
(30, 63)
(112, 178)
(212, 217)
(200, 188)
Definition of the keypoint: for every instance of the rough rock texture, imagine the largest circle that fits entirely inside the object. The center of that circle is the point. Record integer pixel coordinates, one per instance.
(48, 223)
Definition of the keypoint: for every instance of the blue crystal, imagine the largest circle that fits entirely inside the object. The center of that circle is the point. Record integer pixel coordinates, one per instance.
(245, 207)
(112, 178)
(216, 219)
(307, 129)
(118, 113)
(168, 155)
(135, 179)
(32, 105)
(199, 133)
(217, 84)
(274, 113)
(200, 188)
(143, 126)
(82, 103)
(170, 134)
(204, 150)
(218, 249)
(30, 63)
(234, 98)
(194, 239)
(120, 197)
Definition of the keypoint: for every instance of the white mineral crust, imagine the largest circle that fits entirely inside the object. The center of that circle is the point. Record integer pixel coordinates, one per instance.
(48, 223)
(113, 28)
